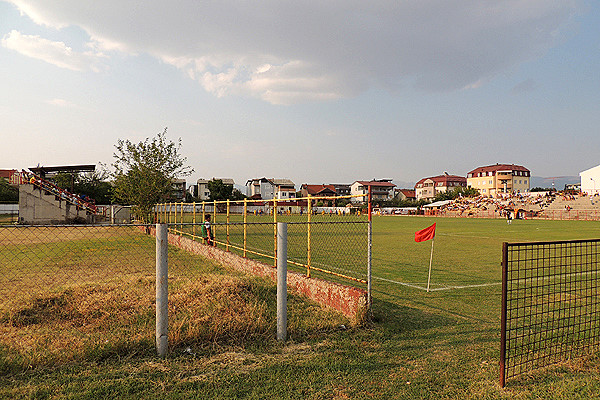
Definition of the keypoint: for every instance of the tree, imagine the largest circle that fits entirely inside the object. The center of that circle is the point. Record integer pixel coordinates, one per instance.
(93, 184)
(457, 192)
(218, 190)
(144, 172)
(8, 193)
(221, 191)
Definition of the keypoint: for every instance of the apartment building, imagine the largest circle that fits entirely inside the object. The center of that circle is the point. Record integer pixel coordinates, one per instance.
(493, 180)
(270, 188)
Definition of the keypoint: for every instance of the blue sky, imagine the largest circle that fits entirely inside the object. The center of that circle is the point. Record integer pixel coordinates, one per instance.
(317, 92)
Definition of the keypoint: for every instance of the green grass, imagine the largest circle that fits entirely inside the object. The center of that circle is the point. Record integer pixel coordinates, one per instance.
(438, 345)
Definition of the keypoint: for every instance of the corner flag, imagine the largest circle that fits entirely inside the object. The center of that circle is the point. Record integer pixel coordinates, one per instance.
(425, 234)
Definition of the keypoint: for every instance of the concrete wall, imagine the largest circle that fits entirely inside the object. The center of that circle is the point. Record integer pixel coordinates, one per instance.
(36, 207)
(350, 301)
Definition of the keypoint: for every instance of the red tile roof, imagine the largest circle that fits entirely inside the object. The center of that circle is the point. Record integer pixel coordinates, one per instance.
(444, 178)
(407, 192)
(318, 189)
(499, 167)
(375, 183)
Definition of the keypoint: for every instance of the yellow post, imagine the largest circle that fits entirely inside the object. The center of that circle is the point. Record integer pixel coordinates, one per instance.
(194, 221)
(214, 229)
(245, 222)
(275, 232)
(175, 215)
(308, 236)
(181, 219)
(170, 210)
(203, 211)
(227, 247)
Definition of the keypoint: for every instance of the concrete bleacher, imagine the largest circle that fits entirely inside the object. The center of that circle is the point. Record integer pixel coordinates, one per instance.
(42, 202)
(577, 202)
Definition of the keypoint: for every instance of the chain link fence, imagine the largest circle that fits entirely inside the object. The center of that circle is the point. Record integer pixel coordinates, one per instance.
(550, 304)
(327, 236)
(65, 290)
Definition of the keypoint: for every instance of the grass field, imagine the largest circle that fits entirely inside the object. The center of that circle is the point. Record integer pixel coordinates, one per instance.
(438, 345)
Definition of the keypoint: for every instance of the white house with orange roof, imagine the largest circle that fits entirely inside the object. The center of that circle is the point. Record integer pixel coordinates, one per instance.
(428, 188)
(381, 189)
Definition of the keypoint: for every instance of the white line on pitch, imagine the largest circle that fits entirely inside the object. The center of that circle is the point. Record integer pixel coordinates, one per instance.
(401, 283)
(437, 289)
(466, 286)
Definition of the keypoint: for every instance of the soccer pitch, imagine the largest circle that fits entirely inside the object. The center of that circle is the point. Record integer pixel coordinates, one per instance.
(466, 270)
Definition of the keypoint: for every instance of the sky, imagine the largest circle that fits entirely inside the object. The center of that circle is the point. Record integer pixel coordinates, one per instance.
(317, 92)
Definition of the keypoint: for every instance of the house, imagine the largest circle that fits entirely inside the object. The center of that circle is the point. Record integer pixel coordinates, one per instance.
(405, 194)
(590, 181)
(270, 188)
(428, 188)
(11, 175)
(493, 180)
(381, 189)
(317, 190)
(341, 189)
(179, 189)
(203, 193)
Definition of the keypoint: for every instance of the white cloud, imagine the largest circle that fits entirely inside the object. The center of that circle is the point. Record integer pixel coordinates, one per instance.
(55, 53)
(292, 51)
(61, 103)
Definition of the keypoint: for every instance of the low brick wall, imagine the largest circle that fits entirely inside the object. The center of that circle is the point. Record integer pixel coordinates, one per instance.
(350, 301)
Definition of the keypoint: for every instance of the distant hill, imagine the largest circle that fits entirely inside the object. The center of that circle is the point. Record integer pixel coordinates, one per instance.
(559, 182)
(536, 181)
(404, 184)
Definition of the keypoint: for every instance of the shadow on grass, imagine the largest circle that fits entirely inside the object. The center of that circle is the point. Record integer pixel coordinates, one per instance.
(399, 319)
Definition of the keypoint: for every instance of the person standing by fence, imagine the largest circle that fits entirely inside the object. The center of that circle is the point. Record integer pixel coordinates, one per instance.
(207, 234)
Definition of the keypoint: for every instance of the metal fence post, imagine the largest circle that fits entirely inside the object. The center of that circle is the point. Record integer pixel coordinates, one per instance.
(308, 238)
(245, 224)
(227, 226)
(369, 251)
(162, 292)
(275, 231)
(504, 314)
(281, 281)
(194, 221)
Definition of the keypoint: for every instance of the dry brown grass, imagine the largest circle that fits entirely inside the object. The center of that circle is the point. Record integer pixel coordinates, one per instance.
(207, 313)
(218, 309)
(51, 234)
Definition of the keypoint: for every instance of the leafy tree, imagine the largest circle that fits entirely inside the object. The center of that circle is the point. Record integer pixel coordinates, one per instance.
(457, 192)
(218, 190)
(221, 191)
(144, 172)
(93, 184)
(237, 195)
(8, 193)
(541, 189)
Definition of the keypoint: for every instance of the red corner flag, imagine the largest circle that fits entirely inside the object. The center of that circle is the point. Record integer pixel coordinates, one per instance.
(425, 234)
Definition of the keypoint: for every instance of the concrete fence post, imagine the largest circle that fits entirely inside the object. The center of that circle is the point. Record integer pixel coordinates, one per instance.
(281, 281)
(162, 292)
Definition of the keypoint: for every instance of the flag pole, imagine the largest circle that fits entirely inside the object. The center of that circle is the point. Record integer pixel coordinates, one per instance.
(430, 261)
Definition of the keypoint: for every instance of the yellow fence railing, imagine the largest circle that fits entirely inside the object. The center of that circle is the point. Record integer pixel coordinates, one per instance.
(328, 234)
